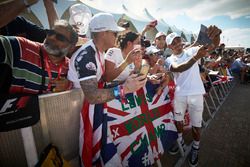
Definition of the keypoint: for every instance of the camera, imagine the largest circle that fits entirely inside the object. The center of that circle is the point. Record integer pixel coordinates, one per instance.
(145, 42)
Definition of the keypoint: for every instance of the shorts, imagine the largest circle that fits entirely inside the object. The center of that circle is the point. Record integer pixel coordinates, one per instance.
(194, 105)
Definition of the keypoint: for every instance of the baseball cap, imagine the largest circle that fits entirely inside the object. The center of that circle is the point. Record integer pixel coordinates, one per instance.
(160, 34)
(104, 22)
(80, 16)
(171, 37)
(151, 50)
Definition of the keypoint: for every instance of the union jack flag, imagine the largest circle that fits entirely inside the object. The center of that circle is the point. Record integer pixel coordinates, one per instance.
(222, 79)
(135, 133)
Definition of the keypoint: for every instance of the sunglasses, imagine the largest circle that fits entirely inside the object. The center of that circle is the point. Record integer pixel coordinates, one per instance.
(60, 37)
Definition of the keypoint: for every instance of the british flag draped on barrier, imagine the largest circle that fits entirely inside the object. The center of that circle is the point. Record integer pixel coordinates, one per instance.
(222, 79)
(135, 133)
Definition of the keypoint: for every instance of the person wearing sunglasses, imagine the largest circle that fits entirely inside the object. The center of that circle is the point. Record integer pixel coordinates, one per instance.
(157, 73)
(39, 67)
(153, 56)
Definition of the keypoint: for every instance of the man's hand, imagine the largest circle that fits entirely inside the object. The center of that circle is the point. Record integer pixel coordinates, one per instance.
(156, 78)
(61, 84)
(131, 56)
(214, 34)
(213, 31)
(133, 83)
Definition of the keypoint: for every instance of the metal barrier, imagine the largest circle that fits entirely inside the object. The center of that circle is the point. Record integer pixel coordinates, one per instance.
(59, 124)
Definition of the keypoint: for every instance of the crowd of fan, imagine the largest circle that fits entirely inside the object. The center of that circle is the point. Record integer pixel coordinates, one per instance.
(34, 60)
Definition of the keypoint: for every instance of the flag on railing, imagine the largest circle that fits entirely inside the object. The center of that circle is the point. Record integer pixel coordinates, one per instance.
(135, 133)
(222, 79)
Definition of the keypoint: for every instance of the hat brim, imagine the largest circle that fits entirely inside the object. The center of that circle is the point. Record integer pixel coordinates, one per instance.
(118, 29)
(153, 52)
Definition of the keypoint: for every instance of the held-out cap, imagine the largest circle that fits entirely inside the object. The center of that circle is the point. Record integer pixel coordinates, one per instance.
(80, 16)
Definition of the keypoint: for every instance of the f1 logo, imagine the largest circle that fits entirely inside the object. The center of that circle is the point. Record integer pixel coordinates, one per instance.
(8, 104)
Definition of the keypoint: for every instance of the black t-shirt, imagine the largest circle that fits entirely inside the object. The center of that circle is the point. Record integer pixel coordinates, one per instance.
(85, 63)
(22, 27)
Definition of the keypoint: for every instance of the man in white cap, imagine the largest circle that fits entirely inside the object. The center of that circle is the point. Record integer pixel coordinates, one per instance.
(189, 87)
(153, 58)
(160, 40)
(160, 43)
(87, 67)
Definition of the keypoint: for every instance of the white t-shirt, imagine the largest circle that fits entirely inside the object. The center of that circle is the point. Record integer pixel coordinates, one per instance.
(114, 55)
(187, 82)
(86, 63)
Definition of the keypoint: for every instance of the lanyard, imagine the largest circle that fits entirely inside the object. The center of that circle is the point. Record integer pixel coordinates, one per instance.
(49, 72)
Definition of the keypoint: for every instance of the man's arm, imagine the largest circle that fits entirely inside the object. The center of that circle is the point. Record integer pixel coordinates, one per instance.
(97, 96)
(8, 11)
(51, 12)
(186, 65)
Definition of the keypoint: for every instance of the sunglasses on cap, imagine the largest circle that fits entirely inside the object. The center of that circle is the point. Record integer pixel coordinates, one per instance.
(59, 36)
(157, 54)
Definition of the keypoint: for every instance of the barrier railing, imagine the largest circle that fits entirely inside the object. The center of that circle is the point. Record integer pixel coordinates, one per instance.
(59, 110)
(59, 116)
(213, 100)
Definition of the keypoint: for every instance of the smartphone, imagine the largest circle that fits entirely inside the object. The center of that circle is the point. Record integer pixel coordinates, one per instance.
(144, 69)
(203, 38)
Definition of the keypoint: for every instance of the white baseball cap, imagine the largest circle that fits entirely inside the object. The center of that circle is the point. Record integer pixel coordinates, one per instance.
(160, 34)
(151, 50)
(171, 37)
(104, 22)
(80, 15)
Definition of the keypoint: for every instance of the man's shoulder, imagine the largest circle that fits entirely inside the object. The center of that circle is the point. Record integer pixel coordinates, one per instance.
(171, 58)
(85, 51)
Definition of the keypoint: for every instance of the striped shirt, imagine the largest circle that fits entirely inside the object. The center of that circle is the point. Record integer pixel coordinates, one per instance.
(24, 58)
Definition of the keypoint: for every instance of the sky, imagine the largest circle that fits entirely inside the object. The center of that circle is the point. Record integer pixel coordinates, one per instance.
(232, 16)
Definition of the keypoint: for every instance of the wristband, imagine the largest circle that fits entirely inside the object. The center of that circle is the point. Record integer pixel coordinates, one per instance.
(116, 92)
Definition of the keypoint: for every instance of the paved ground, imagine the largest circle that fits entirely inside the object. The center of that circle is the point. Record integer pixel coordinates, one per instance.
(226, 141)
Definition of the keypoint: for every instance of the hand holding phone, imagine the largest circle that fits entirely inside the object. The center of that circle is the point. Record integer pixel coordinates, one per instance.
(153, 23)
(144, 70)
